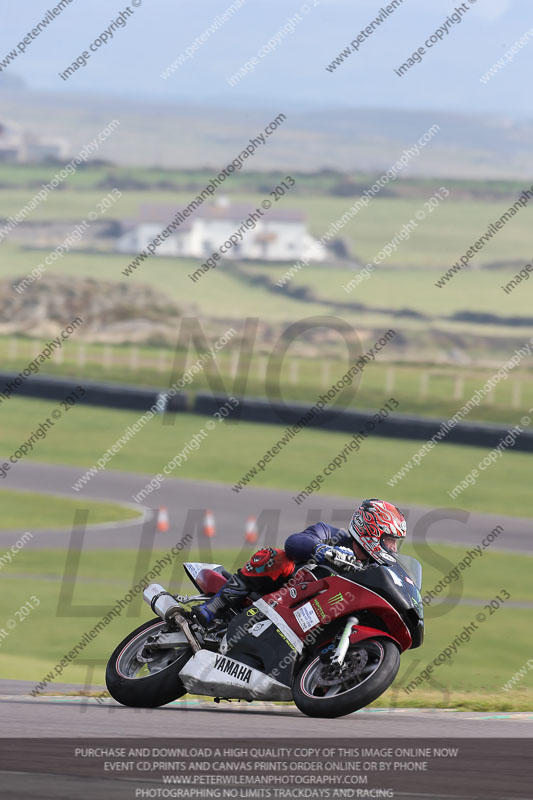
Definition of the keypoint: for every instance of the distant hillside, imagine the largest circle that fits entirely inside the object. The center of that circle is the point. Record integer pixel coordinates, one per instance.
(480, 146)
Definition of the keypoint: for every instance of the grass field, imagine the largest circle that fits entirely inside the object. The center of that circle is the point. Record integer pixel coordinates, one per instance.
(415, 289)
(480, 668)
(28, 511)
(389, 298)
(222, 295)
(438, 241)
(231, 449)
(90, 176)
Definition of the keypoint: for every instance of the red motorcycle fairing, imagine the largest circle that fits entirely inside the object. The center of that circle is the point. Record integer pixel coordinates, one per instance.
(309, 605)
(361, 633)
(209, 581)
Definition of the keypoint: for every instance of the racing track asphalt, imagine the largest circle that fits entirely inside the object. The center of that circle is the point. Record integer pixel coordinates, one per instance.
(231, 511)
(67, 716)
(64, 716)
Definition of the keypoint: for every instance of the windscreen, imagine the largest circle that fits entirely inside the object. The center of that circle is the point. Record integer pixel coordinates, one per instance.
(412, 567)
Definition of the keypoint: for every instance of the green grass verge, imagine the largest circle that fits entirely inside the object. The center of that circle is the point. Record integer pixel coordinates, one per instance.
(475, 680)
(231, 449)
(29, 510)
(301, 379)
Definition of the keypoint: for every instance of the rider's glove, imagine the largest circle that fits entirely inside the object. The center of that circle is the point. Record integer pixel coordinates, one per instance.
(320, 552)
(343, 557)
(338, 556)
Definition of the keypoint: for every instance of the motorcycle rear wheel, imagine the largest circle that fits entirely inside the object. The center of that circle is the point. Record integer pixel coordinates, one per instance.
(357, 686)
(148, 683)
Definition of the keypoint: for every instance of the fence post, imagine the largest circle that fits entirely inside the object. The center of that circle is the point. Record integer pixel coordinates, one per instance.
(108, 357)
(517, 394)
(459, 388)
(424, 384)
(234, 364)
(13, 348)
(294, 371)
(82, 354)
(261, 368)
(134, 358)
(390, 379)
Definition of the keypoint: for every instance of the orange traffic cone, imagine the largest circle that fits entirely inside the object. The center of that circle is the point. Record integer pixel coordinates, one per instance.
(162, 519)
(251, 530)
(209, 524)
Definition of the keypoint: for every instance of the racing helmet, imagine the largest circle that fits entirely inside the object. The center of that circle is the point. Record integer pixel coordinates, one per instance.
(371, 521)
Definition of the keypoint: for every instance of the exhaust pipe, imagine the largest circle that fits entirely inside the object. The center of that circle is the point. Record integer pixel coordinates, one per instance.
(160, 601)
(167, 607)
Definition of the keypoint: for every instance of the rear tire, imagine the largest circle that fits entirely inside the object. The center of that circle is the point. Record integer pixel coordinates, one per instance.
(158, 688)
(311, 697)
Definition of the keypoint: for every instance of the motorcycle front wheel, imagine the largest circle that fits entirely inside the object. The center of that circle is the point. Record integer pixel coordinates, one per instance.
(142, 678)
(323, 690)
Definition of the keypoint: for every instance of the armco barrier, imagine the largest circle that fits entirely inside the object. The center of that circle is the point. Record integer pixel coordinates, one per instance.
(130, 398)
(396, 426)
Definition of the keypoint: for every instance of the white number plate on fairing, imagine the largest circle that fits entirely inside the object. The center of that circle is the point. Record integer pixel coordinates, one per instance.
(306, 617)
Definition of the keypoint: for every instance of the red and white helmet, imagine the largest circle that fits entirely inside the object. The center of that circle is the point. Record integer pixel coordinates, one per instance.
(371, 521)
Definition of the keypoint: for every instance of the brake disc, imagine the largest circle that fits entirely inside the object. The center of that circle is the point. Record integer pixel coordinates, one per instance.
(333, 674)
(144, 657)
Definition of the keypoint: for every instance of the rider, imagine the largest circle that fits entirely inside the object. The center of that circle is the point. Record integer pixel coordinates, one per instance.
(374, 532)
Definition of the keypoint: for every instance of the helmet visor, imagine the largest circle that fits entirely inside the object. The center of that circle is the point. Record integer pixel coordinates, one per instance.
(392, 544)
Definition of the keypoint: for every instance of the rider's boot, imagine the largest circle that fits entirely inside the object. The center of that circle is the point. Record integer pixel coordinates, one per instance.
(230, 596)
(266, 570)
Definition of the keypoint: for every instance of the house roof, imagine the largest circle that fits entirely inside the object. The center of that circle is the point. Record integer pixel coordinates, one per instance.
(235, 213)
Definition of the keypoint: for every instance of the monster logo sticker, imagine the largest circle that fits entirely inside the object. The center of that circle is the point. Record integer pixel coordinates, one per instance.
(319, 609)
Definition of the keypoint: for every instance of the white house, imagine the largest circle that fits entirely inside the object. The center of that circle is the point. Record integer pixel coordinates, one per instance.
(278, 236)
(21, 147)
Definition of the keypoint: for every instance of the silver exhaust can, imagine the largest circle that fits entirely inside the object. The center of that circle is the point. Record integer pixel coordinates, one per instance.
(160, 601)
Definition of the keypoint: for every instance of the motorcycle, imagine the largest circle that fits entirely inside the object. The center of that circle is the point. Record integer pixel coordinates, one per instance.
(330, 640)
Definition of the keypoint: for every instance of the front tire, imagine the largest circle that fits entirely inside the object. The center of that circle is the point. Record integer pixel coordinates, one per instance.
(152, 681)
(369, 669)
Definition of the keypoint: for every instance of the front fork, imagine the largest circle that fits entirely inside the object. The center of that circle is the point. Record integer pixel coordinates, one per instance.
(342, 648)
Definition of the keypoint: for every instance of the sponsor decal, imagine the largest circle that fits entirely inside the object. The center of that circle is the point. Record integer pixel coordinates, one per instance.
(293, 592)
(252, 611)
(239, 671)
(337, 598)
(319, 608)
(408, 579)
(285, 639)
(306, 617)
(260, 627)
(395, 577)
